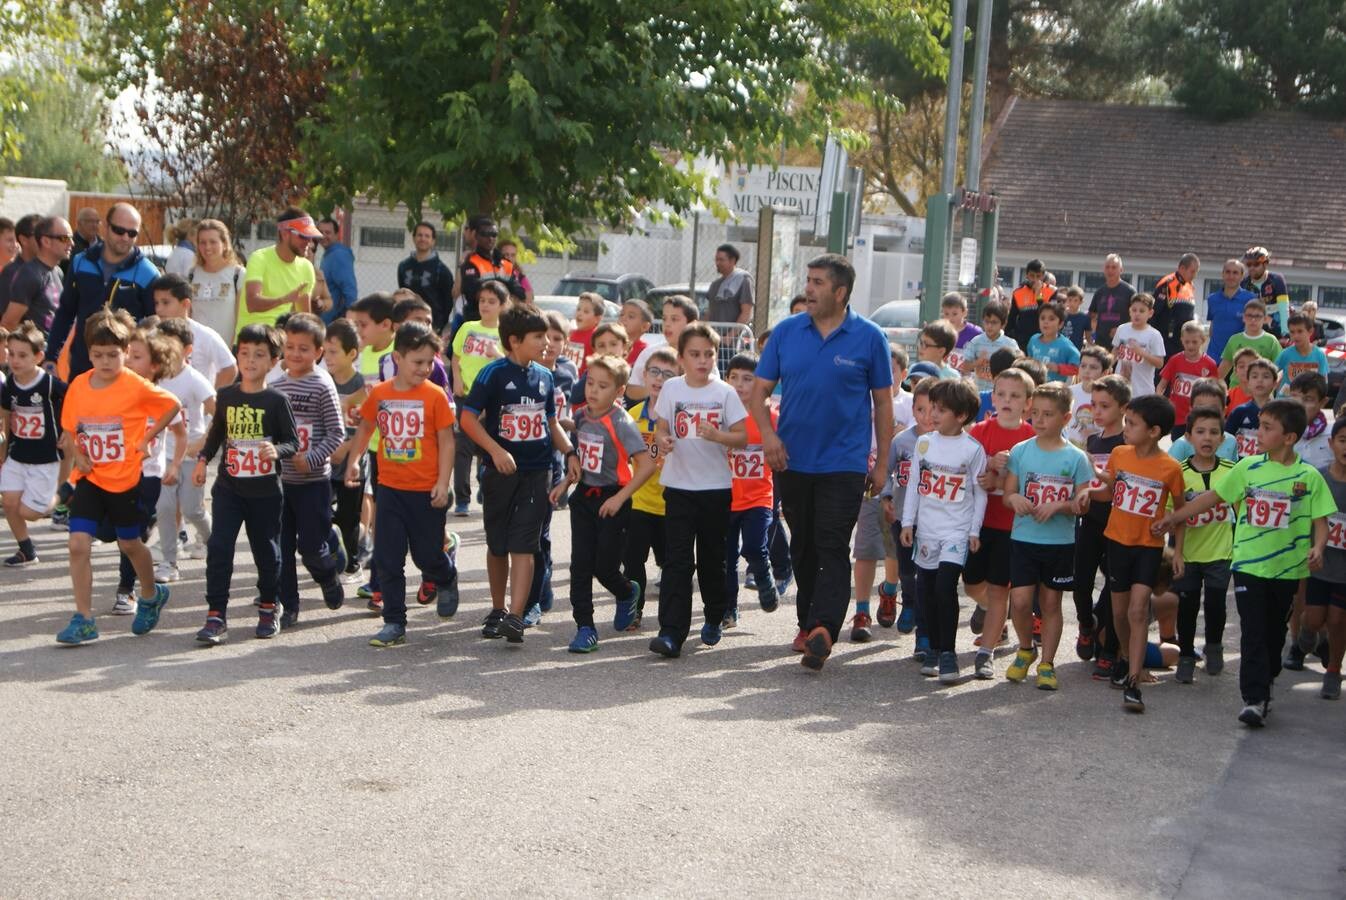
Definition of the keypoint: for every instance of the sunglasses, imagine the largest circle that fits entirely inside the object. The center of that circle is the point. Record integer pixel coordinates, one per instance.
(63, 238)
(124, 232)
(487, 233)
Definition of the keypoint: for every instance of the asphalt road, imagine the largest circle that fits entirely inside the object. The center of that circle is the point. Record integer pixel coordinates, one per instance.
(314, 765)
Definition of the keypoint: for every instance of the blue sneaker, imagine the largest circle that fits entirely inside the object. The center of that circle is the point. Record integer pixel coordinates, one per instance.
(626, 610)
(460, 509)
(364, 591)
(548, 597)
(922, 648)
(664, 646)
(730, 619)
(147, 611)
(750, 581)
(586, 640)
(532, 615)
(79, 631)
(783, 584)
(390, 636)
(768, 598)
(446, 601)
(711, 633)
(906, 620)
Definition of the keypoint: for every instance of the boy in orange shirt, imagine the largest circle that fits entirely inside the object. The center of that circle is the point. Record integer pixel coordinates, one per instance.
(105, 431)
(753, 503)
(415, 465)
(1141, 479)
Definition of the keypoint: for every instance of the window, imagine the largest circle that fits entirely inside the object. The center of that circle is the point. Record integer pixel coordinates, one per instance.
(266, 231)
(585, 250)
(1213, 285)
(447, 241)
(1332, 296)
(393, 238)
(1300, 292)
(1146, 283)
(1063, 279)
(1092, 281)
(244, 232)
(1005, 275)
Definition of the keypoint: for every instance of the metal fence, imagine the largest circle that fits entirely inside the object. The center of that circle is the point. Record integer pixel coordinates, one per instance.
(735, 338)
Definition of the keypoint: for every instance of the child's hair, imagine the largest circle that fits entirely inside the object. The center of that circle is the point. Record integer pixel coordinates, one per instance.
(344, 332)
(556, 322)
(797, 300)
(109, 328)
(405, 293)
(1338, 425)
(1210, 387)
(762, 337)
(265, 335)
(309, 324)
(1301, 320)
(641, 307)
(1163, 575)
(1095, 352)
(1291, 415)
(1074, 292)
(593, 301)
(4, 333)
(165, 352)
(1193, 328)
(957, 396)
(953, 299)
(697, 329)
(922, 389)
(403, 309)
(519, 320)
(1020, 377)
(1034, 367)
(1155, 411)
(1002, 359)
(1116, 387)
(378, 306)
(613, 365)
(942, 334)
(1255, 304)
(745, 362)
(28, 333)
(688, 308)
(1244, 353)
(1204, 412)
(412, 336)
(1055, 309)
(1306, 382)
(664, 354)
(899, 357)
(1056, 392)
(179, 329)
(994, 309)
(501, 292)
(1262, 363)
(174, 284)
(613, 328)
(1144, 299)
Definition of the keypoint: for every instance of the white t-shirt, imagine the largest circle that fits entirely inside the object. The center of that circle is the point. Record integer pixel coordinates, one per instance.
(215, 297)
(210, 354)
(696, 464)
(155, 462)
(180, 261)
(192, 390)
(1081, 416)
(1129, 365)
(947, 505)
(903, 418)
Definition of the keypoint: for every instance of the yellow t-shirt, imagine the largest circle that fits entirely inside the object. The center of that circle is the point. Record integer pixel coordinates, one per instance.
(649, 498)
(473, 347)
(278, 278)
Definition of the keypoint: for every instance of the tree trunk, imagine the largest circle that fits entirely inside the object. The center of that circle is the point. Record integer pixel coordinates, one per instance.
(999, 65)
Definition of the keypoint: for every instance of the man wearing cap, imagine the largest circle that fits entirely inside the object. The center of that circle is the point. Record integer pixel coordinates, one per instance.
(1270, 287)
(280, 279)
(483, 265)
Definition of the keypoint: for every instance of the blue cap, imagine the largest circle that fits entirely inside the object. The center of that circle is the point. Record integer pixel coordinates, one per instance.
(923, 369)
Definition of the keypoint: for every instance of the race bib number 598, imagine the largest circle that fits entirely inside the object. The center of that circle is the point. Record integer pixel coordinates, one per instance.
(523, 423)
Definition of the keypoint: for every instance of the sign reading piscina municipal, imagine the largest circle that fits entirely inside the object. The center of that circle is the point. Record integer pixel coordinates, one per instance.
(746, 189)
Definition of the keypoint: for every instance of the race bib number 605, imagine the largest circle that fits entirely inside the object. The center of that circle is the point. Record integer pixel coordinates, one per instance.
(103, 441)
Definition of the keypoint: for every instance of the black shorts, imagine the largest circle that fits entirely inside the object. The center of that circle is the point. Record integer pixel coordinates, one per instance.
(1129, 566)
(1035, 564)
(1325, 593)
(514, 508)
(373, 468)
(91, 505)
(991, 562)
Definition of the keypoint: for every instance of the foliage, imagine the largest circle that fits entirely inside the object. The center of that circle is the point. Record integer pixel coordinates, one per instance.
(28, 34)
(62, 133)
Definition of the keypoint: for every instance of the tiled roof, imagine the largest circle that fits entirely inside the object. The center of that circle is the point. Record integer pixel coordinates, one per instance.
(1153, 181)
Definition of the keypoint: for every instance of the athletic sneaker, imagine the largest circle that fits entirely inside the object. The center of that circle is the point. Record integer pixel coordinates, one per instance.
(19, 560)
(887, 616)
(289, 618)
(268, 625)
(1254, 715)
(749, 581)
(586, 640)
(333, 594)
(461, 510)
(817, 647)
(948, 667)
(730, 619)
(626, 609)
(490, 626)
(922, 649)
(1084, 644)
(978, 619)
(215, 632)
(1214, 654)
(768, 598)
(930, 664)
(635, 624)
(711, 632)
(1131, 697)
(1023, 659)
(979, 640)
(511, 628)
(391, 635)
(1103, 667)
(60, 519)
(147, 611)
(906, 620)
(1186, 670)
(1331, 686)
(783, 584)
(664, 646)
(1121, 674)
(426, 593)
(1046, 679)
(860, 630)
(375, 604)
(125, 604)
(194, 550)
(166, 573)
(1294, 658)
(532, 615)
(79, 631)
(983, 666)
(446, 600)
(798, 644)
(364, 591)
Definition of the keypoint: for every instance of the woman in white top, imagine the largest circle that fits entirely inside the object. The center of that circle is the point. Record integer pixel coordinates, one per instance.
(183, 256)
(217, 278)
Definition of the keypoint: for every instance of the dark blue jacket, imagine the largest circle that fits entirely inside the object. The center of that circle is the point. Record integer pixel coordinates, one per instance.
(86, 292)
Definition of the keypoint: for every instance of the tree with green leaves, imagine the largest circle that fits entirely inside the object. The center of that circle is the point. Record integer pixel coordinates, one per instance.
(29, 33)
(62, 133)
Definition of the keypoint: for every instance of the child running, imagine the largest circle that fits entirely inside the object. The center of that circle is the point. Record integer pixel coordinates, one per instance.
(30, 415)
(894, 497)
(341, 348)
(1095, 362)
(1208, 393)
(1325, 602)
(1138, 348)
(645, 534)
(1243, 423)
(752, 506)
(1181, 373)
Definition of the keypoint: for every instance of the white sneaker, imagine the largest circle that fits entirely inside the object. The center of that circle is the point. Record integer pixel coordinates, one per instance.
(125, 605)
(194, 551)
(165, 573)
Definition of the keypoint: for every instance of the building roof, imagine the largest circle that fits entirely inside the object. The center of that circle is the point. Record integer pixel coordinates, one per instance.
(1155, 182)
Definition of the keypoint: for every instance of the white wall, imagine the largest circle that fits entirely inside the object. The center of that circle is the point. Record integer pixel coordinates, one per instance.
(21, 196)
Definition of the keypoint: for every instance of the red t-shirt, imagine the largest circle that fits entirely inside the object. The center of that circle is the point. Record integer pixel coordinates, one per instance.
(994, 438)
(636, 349)
(752, 486)
(1181, 374)
(580, 347)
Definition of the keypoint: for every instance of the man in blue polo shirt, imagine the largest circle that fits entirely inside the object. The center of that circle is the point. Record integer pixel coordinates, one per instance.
(836, 378)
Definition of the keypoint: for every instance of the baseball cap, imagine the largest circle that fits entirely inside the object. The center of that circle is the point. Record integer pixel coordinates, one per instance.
(1256, 254)
(921, 370)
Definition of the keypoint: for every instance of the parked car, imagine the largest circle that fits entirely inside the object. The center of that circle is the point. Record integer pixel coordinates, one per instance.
(898, 314)
(656, 296)
(565, 305)
(1334, 325)
(616, 288)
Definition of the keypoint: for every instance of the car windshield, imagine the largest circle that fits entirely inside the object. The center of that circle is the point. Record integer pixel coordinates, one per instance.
(573, 287)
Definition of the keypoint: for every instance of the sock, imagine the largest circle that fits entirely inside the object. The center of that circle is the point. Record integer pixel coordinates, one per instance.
(1334, 670)
(888, 588)
(26, 548)
(1172, 639)
(862, 607)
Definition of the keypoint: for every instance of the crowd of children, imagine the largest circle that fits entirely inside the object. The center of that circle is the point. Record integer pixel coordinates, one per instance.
(1020, 475)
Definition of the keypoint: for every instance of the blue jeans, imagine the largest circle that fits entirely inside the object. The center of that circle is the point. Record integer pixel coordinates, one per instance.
(752, 527)
(231, 513)
(305, 526)
(779, 543)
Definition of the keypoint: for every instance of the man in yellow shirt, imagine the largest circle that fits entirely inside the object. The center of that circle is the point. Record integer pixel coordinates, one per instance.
(280, 279)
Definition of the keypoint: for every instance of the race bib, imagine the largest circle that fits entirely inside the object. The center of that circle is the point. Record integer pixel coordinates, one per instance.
(942, 484)
(687, 417)
(1182, 384)
(1217, 516)
(956, 360)
(1100, 461)
(1336, 531)
(521, 422)
(1137, 494)
(401, 426)
(575, 353)
(982, 368)
(1127, 353)
(1247, 442)
(305, 433)
(102, 440)
(243, 459)
(28, 423)
(1267, 509)
(748, 463)
(1295, 369)
(903, 473)
(590, 449)
(1043, 489)
(559, 401)
(482, 345)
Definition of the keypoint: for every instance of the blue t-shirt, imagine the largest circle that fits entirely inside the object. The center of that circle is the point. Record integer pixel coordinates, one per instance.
(1048, 476)
(1182, 449)
(987, 410)
(1060, 351)
(516, 406)
(826, 407)
(1226, 318)
(1075, 328)
(1293, 363)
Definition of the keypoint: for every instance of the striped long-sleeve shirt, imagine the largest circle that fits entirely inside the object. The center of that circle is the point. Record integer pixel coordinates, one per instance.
(317, 416)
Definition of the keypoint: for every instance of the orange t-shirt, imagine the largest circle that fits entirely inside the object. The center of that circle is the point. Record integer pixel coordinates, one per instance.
(1143, 487)
(409, 423)
(110, 422)
(752, 486)
(1237, 397)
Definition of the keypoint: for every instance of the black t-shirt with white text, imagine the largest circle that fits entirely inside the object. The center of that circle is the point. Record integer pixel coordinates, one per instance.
(34, 418)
